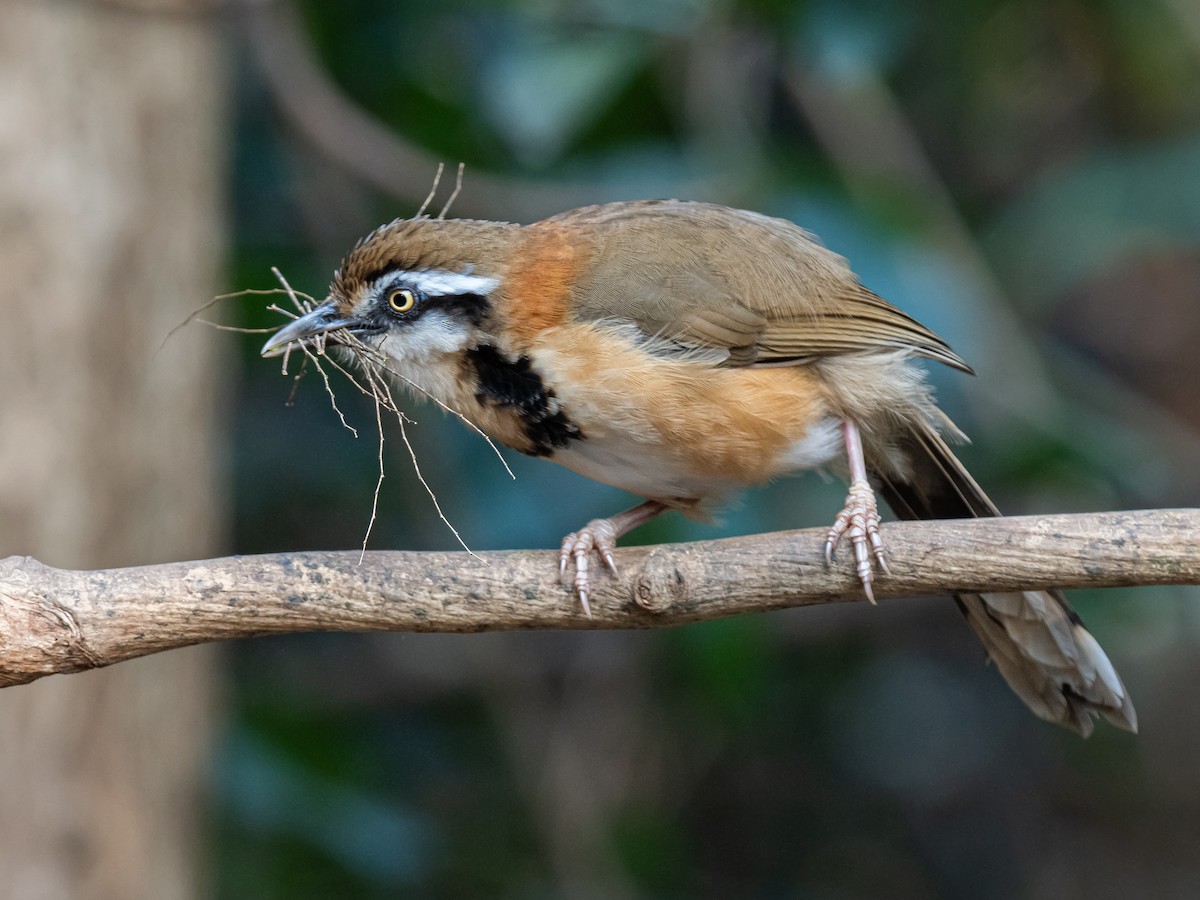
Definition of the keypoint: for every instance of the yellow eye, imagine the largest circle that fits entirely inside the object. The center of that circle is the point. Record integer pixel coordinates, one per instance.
(401, 300)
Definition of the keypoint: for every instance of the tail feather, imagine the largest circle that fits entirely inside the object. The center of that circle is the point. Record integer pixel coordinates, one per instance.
(1038, 643)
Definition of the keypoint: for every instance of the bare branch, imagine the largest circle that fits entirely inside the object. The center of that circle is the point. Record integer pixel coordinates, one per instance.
(347, 133)
(56, 620)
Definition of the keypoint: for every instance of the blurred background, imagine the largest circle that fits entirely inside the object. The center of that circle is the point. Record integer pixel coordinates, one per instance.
(1022, 176)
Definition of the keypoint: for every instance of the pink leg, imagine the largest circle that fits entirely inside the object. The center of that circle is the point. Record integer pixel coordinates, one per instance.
(859, 518)
(601, 535)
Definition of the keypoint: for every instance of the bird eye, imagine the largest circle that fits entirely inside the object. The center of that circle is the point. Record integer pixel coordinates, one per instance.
(401, 300)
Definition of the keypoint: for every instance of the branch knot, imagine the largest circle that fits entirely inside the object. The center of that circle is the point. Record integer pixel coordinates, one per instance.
(659, 585)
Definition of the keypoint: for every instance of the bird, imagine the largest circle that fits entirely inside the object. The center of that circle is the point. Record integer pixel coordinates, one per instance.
(681, 351)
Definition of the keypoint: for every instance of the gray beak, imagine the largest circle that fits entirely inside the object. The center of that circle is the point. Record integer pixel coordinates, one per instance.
(321, 320)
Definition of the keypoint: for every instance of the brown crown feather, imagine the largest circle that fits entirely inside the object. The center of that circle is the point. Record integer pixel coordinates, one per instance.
(455, 245)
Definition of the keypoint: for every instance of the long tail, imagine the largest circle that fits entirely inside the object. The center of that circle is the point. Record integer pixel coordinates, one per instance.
(1035, 639)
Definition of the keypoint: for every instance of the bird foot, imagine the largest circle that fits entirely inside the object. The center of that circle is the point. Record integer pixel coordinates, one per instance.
(599, 536)
(859, 521)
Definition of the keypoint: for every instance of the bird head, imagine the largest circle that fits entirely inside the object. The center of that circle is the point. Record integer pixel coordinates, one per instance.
(412, 290)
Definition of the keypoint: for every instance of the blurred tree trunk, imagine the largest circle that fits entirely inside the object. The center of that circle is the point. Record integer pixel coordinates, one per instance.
(111, 159)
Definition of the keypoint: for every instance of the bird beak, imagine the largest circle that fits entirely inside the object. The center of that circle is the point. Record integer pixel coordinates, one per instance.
(321, 320)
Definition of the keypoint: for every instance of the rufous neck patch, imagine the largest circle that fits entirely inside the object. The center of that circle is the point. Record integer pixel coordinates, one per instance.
(540, 278)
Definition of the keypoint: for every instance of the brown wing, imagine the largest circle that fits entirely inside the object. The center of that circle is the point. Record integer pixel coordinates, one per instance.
(761, 290)
(859, 321)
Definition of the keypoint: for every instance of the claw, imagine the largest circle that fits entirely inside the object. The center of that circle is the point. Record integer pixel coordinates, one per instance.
(600, 536)
(564, 553)
(859, 521)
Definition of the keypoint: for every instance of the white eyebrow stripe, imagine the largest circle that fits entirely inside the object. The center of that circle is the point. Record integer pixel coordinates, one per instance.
(440, 283)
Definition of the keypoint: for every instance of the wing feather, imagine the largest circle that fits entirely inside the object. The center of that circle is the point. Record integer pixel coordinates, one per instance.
(761, 289)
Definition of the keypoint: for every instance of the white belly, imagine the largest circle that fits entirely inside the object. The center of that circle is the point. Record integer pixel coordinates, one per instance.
(654, 470)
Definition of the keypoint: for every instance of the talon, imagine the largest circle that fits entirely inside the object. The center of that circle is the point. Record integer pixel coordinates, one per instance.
(883, 564)
(598, 536)
(859, 521)
(564, 555)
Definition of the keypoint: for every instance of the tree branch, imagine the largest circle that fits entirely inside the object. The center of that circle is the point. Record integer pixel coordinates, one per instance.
(347, 133)
(56, 620)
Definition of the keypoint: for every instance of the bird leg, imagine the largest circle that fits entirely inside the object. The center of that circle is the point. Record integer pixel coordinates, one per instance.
(601, 535)
(859, 518)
